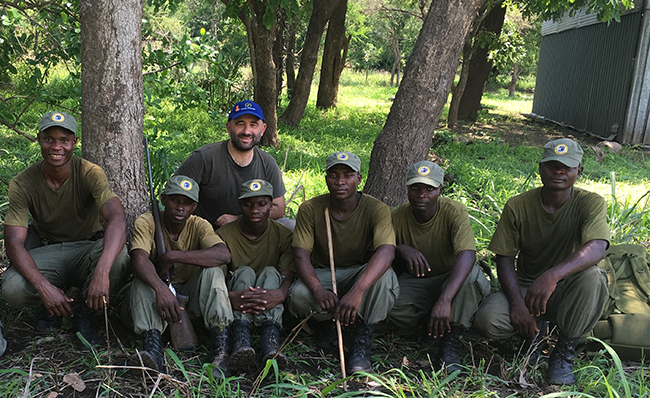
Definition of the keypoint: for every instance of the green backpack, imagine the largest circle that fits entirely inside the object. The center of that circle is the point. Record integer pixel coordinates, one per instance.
(625, 322)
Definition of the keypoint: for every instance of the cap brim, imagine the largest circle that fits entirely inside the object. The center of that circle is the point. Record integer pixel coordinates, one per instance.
(562, 159)
(422, 180)
(337, 162)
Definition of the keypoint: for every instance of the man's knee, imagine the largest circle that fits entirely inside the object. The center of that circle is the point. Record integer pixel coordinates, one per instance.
(492, 318)
(16, 289)
(299, 298)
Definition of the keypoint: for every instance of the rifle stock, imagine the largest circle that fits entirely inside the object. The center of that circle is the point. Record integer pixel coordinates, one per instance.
(182, 333)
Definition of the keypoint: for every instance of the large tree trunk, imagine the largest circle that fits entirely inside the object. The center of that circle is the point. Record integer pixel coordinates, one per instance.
(279, 51)
(397, 53)
(513, 80)
(265, 92)
(321, 12)
(334, 54)
(290, 61)
(422, 94)
(458, 89)
(112, 109)
(480, 67)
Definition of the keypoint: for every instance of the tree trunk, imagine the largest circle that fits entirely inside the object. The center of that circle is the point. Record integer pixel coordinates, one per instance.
(265, 91)
(394, 73)
(422, 94)
(513, 81)
(321, 13)
(279, 51)
(290, 60)
(112, 109)
(458, 89)
(333, 61)
(480, 67)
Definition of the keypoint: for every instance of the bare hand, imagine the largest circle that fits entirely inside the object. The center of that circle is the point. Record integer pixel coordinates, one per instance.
(326, 299)
(523, 321)
(439, 319)
(346, 310)
(415, 260)
(266, 298)
(98, 292)
(225, 219)
(168, 307)
(538, 294)
(56, 302)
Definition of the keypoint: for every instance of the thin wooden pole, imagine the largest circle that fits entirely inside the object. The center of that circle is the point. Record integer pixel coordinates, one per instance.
(330, 247)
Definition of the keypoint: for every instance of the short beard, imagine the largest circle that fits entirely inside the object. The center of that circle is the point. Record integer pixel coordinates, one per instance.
(235, 142)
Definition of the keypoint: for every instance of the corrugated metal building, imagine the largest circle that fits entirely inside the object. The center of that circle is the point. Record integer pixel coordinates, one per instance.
(596, 77)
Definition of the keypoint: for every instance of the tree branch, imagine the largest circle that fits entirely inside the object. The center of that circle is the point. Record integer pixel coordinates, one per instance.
(11, 126)
(162, 69)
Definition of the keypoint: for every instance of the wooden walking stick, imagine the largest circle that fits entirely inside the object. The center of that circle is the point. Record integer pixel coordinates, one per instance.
(330, 248)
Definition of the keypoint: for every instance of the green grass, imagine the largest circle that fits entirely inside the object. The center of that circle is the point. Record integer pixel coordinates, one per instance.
(485, 172)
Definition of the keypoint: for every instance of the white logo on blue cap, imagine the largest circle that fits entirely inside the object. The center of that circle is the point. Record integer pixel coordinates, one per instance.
(255, 186)
(186, 185)
(424, 170)
(342, 156)
(57, 117)
(561, 149)
(248, 105)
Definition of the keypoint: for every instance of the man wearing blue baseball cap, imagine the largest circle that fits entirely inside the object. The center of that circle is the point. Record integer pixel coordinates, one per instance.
(557, 233)
(65, 244)
(222, 167)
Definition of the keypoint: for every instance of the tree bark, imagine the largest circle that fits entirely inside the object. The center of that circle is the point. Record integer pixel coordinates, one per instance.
(458, 89)
(395, 72)
(480, 67)
(334, 54)
(422, 94)
(290, 61)
(265, 91)
(112, 109)
(321, 13)
(513, 80)
(279, 51)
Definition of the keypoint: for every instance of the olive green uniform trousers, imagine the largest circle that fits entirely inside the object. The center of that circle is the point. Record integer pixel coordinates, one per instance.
(575, 306)
(376, 302)
(208, 299)
(269, 278)
(63, 265)
(418, 296)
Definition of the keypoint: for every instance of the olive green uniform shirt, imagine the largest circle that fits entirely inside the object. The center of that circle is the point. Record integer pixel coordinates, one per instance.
(541, 240)
(273, 248)
(68, 214)
(355, 238)
(440, 239)
(197, 234)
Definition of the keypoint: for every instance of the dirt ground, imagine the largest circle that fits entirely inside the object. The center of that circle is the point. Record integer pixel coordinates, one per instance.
(46, 362)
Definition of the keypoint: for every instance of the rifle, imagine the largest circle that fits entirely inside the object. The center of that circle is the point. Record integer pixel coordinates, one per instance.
(182, 333)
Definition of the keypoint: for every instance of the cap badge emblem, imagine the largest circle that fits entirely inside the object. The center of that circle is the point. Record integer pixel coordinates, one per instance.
(561, 149)
(423, 171)
(186, 185)
(57, 117)
(255, 186)
(342, 156)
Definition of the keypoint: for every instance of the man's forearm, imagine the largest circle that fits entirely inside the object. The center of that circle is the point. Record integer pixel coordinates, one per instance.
(459, 273)
(214, 256)
(586, 256)
(378, 265)
(306, 270)
(508, 279)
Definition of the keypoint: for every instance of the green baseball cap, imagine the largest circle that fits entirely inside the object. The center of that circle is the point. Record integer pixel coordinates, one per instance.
(182, 185)
(347, 158)
(563, 150)
(425, 172)
(60, 119)
(254, 188)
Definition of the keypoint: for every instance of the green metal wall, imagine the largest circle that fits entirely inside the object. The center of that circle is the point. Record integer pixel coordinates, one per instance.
(584, 75)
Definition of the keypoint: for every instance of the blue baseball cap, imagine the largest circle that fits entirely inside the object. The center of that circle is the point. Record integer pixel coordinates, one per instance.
(246, 108)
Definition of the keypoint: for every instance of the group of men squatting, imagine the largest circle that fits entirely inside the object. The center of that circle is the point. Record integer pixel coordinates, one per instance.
(241, 263)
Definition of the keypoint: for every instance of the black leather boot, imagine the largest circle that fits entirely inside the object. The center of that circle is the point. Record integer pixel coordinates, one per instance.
(242, 357)
(152, 352)
(324, 333)
(219, 354)
(270, 344)
(46, 322)
(560, 363)
(449, 356)
(360, 353)
(82, 322)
